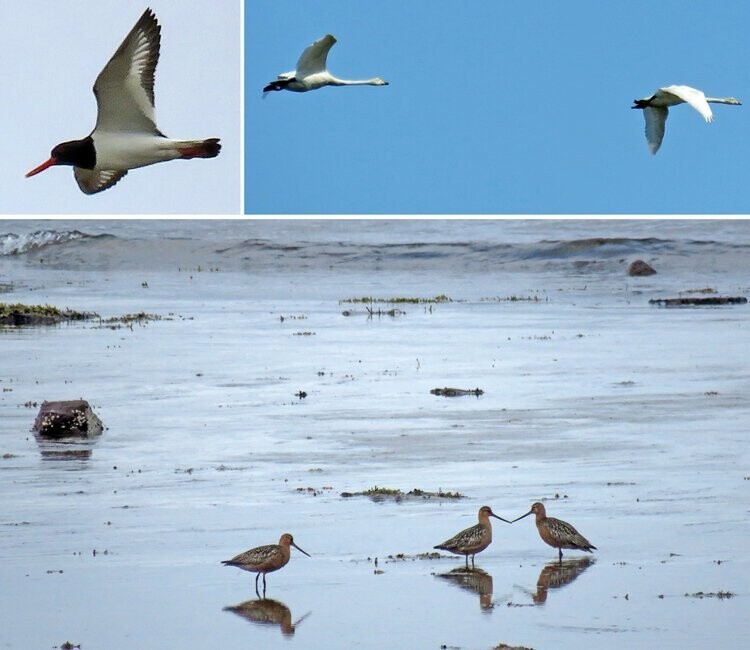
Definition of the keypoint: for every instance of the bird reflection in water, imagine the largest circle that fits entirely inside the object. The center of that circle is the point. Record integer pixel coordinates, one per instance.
(266, 611)
(65, 454)
(558, 574)
(473, 579)
(65, 448)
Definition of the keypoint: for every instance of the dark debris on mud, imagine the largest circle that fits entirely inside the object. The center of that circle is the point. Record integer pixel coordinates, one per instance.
(721, 595)
(403, 557)
(129, 320)
(693, 302)
(456, 392)
(312, 491)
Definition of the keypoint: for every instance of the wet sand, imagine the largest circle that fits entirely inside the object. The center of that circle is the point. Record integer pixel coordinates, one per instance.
(628, 420)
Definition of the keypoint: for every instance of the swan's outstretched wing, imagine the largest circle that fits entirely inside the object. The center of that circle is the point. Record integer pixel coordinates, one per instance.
(656, 117)
(693, 97)
(313, 59)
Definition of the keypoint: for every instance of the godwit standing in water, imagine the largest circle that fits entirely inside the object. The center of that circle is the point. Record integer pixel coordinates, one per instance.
(472, 540)
(265, 559)
(556, 532)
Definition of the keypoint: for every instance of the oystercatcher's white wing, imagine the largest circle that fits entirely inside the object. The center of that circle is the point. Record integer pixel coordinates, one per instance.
(92, 181)
(124, 89)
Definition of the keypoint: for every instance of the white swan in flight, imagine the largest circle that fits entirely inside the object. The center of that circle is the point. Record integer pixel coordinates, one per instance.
(656, 109)
(311, 72)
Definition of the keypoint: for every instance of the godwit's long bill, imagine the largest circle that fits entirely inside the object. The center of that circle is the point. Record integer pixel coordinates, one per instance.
(265, 559)
(125, 135)
(472, 540)
(557, 533)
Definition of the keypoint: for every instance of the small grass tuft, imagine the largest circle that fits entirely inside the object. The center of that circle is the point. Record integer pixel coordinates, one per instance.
(442, 298)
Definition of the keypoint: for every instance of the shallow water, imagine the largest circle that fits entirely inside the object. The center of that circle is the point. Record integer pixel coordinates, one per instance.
(629, 420)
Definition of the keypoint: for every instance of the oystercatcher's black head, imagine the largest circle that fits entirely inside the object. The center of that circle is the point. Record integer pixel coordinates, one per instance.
(78, 153)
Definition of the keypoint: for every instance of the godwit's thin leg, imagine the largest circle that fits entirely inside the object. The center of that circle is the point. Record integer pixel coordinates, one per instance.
(257, 593)
(264, 585)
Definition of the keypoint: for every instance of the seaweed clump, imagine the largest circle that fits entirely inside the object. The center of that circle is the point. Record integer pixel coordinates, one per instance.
(378, 494)
(18, 314)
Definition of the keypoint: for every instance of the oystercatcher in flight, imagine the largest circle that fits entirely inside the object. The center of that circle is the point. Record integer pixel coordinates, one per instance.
(125, 135)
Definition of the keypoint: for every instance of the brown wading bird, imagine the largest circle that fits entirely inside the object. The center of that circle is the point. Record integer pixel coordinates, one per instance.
(265, 559)
(472, 540)
(556, 532)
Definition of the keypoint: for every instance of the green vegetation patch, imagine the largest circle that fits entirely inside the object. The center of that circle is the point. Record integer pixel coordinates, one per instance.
(141, 316)
(534, 298)
(377, 493)
(18, 314)
(128, 320)
(703, 290)
(403, 557)
(399, 300)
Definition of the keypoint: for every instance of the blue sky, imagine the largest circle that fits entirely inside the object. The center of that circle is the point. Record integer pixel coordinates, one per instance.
(497, 108)
(50, 55)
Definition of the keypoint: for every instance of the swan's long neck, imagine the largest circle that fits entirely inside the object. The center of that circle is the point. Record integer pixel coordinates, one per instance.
(722, 100)
(356, 82)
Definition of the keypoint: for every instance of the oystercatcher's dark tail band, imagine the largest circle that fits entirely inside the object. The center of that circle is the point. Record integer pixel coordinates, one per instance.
(201, 149)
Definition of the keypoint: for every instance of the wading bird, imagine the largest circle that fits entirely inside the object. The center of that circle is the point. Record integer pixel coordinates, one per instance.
(265, 559)
(556, 532)
(472, 540)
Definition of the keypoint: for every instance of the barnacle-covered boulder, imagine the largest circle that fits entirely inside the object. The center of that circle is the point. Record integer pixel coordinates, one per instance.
(67, 419)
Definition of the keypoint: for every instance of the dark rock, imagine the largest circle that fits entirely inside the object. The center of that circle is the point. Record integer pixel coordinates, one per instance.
(639, 268)
(67, 419)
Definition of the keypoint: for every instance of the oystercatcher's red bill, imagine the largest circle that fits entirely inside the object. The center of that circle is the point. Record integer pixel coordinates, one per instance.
(42, 167)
